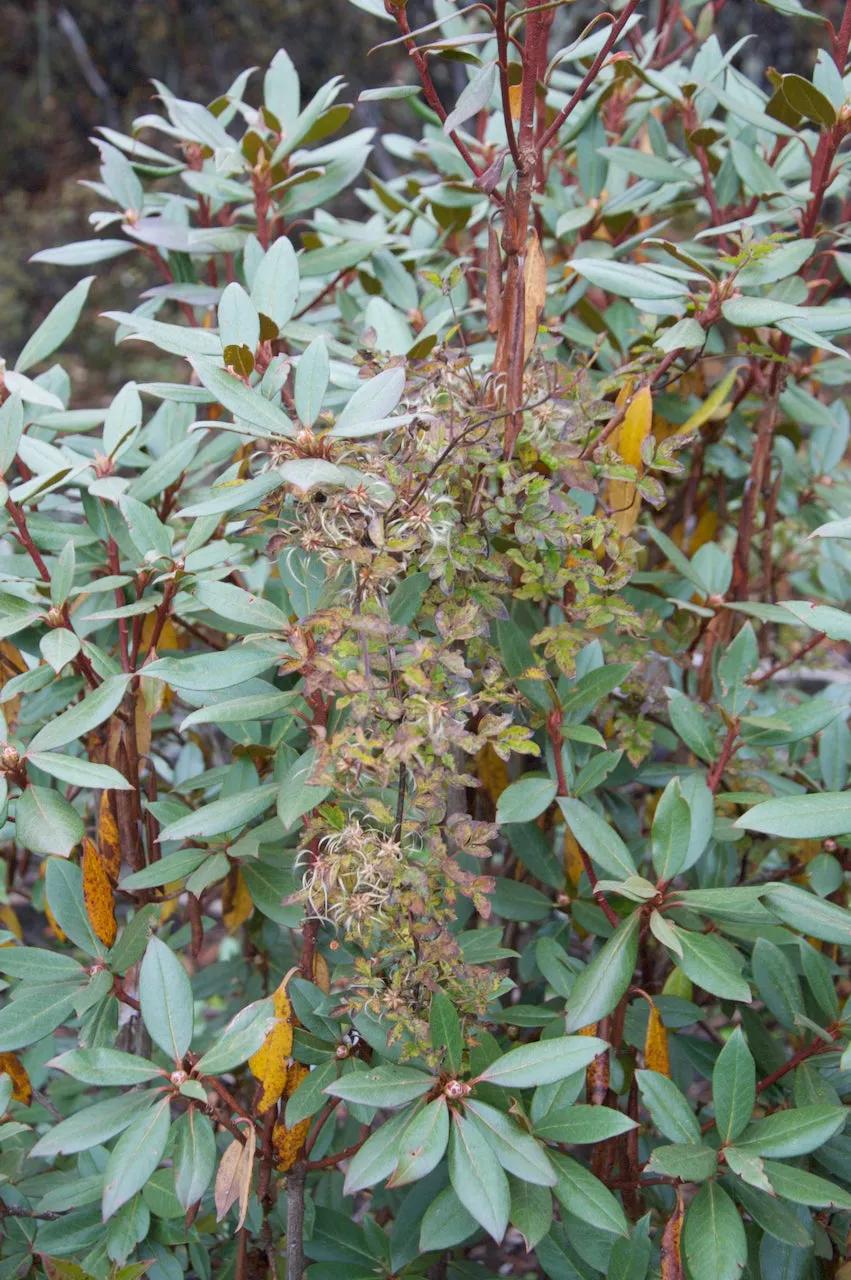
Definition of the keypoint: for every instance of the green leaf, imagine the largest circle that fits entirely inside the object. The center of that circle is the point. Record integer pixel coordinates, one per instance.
(34, 1014)
(810, 914)
(625, 280)
(82, 253)
(792, 1133)
(296, 796)
(689, 724)
(93, 1126)
(690, 1161)
(46, 823)
(737, 664)
(670, 1111)
(221, 815)
(241, 1038)
(599, 840)
(276, 283)
(377, 1157)
(473, 98)
(373, 401)
(580, 1124)
(11, 430)
(105, 1067)
(82, 718)
(806, 99)
(445, 1030)
(710, 964)
(543, 1062)
(527, 799)
(531, 1211)
(245, 403)
(422, 1144)
(671, 832)
(812, 817)
(384, 1086)
(714, 1242)
(36, 964)
(239, 323)
(477, 1178)
(64, 893)
(174, 866)
(258, 706)
(243, 607)
(56, 326)
(777, 982)
(135, 1157)
(445, 1223)
(805, 1188)
(194, 1156)
(733, 1087)
(517, 1151)
(79, 773)
(586, 1197)
(309, 1096)
(166, 999)
(311, 381)
(601, 983)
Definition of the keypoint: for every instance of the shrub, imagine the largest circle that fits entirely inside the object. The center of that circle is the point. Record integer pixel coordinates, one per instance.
(425, 847)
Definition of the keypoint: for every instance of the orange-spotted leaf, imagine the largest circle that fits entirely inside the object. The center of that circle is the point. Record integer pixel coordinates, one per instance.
(11, 1065)
(656, 1056)
(270, 1064)
(670, 1258)
(97, 892)
(237, 905)
(109, 844)
(288, 1142)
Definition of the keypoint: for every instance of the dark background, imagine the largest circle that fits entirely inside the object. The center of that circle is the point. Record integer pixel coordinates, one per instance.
(66, 68)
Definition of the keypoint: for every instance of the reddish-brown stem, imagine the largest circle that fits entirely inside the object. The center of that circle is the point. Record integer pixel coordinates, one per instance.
(789, 662)
(502, 47)
(812, 1050)
(715, 774)
(123, 635)
(590, 76)
(328, 1162)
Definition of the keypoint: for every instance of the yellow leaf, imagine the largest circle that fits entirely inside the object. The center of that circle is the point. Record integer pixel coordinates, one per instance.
(515, 95)
(8, 920)
(109, 844)
(171, 904)
(656, 1056)
(168, 637)
(713, 408)
(270, 1064)
(22, 1090)
(534, 292)
(321, 972)
(621, 496)
(237, 905)
(97, 892)
(573, 864)
(142, 720)
(491, 772)
(11, 665)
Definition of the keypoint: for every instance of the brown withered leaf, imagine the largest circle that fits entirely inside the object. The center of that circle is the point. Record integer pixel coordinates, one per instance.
(535, 292)
(491, 772)
(109, 843)
(573, 864)
(97, 892)
(321, 973)
(22, 1090)
(233, 1180)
